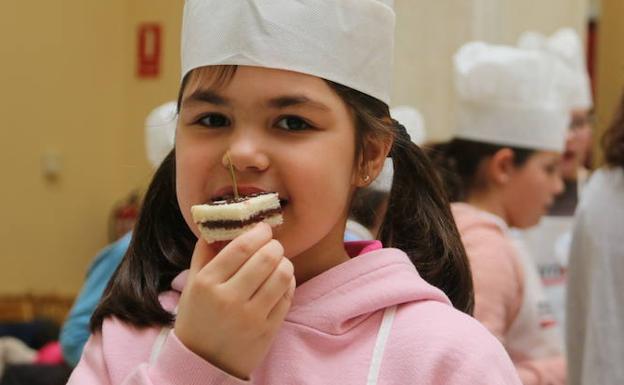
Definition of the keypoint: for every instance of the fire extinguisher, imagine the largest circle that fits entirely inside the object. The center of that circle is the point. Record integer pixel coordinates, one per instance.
(123, 216)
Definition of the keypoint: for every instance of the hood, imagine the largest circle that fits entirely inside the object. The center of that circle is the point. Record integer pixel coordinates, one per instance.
(341, 298)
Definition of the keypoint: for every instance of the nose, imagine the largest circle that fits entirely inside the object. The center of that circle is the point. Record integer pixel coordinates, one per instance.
(246, 152)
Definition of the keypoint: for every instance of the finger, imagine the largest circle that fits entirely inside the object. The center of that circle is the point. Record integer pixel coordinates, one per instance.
(202, 254)
(275, 287)
(227, 262)
(278, 312)
(258, 269)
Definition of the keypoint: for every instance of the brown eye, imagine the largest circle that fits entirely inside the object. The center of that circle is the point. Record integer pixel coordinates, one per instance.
(552, 169)
(293, 123)
(214, 120)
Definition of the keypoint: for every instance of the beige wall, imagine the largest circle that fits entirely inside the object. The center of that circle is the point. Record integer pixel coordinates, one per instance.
(61, 93)
(429, 32)
(145, 94)
(68, 88)
(610, 70)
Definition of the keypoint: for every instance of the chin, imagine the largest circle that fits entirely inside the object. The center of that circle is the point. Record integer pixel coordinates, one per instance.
(569, 169)
(526, 223)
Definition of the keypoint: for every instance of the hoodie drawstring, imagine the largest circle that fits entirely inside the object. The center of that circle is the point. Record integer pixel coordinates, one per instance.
(380, 345)
(158, 344)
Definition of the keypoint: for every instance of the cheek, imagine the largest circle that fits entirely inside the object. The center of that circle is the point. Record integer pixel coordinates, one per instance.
(528, 197)
(320, 181)
(184, 190)
(535, 188)
(192, 171)
(319, 187)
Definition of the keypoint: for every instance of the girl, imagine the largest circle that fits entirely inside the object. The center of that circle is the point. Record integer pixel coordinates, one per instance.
(595, 300)
(549, 241)
(503, 169)
(296, 93)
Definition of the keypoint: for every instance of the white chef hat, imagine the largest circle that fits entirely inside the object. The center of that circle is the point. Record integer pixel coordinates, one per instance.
(511, 96)
(566, 45)
(160, 126)
(414, 123)
(349, 42)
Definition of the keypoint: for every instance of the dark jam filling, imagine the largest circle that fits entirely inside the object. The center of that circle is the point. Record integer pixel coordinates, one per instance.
(233, 224)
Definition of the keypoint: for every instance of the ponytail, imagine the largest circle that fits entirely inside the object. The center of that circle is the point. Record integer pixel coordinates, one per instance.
(419, 222)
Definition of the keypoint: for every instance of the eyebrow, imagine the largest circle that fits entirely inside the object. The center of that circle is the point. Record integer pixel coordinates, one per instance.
(209, 96)
(295, 100)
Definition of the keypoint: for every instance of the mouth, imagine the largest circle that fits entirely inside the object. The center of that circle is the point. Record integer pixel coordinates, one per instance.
(568, 155)
(227, 194)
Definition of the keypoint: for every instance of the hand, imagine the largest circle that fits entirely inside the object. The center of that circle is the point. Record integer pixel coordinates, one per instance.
(555, 371)
(235, 301)
(545, 371)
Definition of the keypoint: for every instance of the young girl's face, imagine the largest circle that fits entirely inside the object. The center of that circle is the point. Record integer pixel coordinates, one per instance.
(532, 188)
(578, 144)
(285, 132)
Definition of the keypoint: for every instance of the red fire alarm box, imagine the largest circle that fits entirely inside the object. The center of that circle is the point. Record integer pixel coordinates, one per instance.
(149, 50)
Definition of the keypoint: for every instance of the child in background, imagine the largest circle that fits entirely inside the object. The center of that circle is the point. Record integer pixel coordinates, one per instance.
(296, 93)
(503, 171)
(549, 241)
(595, 301)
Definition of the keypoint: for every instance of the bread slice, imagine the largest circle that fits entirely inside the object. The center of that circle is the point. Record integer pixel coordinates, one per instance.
(225, 220)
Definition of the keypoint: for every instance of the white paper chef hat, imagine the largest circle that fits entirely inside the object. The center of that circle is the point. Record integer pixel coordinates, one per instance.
(511, 96)
(160, 126)
(414, 123)
(349, 42)
(566, 45)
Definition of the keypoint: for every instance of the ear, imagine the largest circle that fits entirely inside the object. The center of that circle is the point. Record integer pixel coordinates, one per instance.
(374, 154)
(501, 166)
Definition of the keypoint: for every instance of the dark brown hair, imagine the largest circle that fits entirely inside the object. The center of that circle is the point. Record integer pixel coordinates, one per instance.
(367, 206)
(160, 249)
(613, 139)
(418, 221)
(458, 161)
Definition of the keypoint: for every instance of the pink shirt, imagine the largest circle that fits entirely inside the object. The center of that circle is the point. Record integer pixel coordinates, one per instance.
(501, 292)
(335, 333)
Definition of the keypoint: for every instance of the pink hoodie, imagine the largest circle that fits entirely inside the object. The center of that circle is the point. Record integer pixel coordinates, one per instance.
(370, 320)
(503, 301)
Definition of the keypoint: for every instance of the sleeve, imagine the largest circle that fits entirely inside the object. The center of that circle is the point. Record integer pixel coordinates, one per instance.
(175, 365)
(479, 359)
(91, 369)
(579, 270)
(496, 277)
(75, 330)
(595, 326)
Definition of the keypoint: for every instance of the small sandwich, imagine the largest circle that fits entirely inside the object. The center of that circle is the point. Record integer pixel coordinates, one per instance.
(224, 220)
